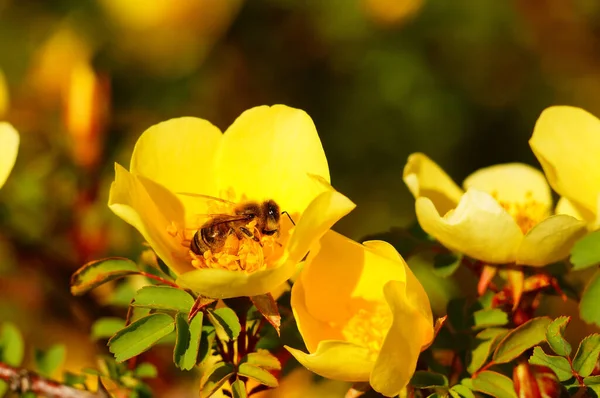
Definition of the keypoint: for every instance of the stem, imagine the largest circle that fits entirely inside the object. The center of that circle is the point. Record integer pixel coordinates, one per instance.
(22, 380)
(158, 278)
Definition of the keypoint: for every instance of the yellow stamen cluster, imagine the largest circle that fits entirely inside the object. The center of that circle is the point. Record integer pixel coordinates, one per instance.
(527, 213)
(368, 327)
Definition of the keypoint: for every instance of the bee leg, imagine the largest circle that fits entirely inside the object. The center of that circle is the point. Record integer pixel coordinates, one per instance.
(249, 234)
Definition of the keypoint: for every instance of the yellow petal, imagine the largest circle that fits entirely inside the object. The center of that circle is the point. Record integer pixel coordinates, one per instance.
(9, 146)
(179, 154)
(565, 206)
(337, 360)
(397, 359)
(415, 292)
(268, 153)
(513, 183)
(424, 177)
(566, 141)
(550, 241)
(150, 209)
(478, 227)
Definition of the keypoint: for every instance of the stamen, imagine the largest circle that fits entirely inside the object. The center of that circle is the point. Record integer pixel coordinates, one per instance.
(526, 214)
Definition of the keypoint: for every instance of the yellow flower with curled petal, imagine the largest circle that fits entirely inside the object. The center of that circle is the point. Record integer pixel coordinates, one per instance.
(9, 146)
(566, 142)
(268, 153)
(362, 313)
(503, 216)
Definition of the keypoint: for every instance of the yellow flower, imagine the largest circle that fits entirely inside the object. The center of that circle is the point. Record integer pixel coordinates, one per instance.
(362, 313)
(503, 217)
(267, 153)
(9, 146)
(566, 141)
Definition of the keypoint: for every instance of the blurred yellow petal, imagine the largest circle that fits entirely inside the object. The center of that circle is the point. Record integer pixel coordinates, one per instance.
(337, 360)
(179, 154)
(269, 153)
(478, 227)
(9, 146)
(390, 374)
(566, 141)
(424, 178)
(550, 241)
(415, 292)
(565, 206)
(150, 209)
(4, 96)
(513, 183)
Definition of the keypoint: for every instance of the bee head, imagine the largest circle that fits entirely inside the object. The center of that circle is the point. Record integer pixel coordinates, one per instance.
(271, 217)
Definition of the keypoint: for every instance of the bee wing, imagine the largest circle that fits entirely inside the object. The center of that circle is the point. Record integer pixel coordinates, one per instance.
(199, 208)
(207, 198)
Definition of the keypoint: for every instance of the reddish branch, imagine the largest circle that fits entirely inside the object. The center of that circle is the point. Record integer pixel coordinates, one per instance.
(21, 381)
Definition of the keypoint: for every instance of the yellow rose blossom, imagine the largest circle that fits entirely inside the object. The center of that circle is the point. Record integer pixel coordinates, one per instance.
(267, 153)
(503, 216)
(9, 146)
(362, 313)
(566, 142)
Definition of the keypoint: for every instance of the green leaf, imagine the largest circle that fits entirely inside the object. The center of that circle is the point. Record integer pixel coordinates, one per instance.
(258, 374)
(445, 264)
(185, 353)
(12, 347)
(105, 328)
(486, 341)
(164, 298)
(529, 334)
(494, 384)
(486, 318)
(460, 391)
(238, 388)
(263, 359)
(589, 310)
(586, 251)
(267, 306)
(219, 374)
(140, 336)
(226, 323)
(95, 273)
(48, 361)
(554, 336)
(559, 365)
(424, 379)
(587, 355)
(591, 381)
(206, 342)
(145, 370)
(72, 379)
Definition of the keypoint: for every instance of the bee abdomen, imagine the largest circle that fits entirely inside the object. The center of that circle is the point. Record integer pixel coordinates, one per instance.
(196, 244)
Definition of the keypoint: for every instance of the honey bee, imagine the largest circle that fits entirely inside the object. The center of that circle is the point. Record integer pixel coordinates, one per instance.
(213, 233)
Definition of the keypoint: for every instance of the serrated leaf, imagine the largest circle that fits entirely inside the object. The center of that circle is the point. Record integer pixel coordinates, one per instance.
(554, 336)
(258, 374)
(587, 355)
(95, 273)
(589, 310)
(486, 341)
(238, 389)
(424, 379)
(164, 298)
(105, 328)
(226, 323)
(145, 370)
(445, 264)
(529, 334)
(263, 359)
(185, 353)
(267, 306)
(586, 251)
(490, 317)
(140, 336)
(559, 365)
(494, 384)
(460, 391)
(218, 376)
(48, 361)
(12, 347)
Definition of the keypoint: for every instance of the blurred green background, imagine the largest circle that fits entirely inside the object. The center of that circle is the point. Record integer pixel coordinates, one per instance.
(462, 80)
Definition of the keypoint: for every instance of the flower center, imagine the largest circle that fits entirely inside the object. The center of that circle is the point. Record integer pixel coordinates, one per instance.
(527, 213)
(368, 327)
